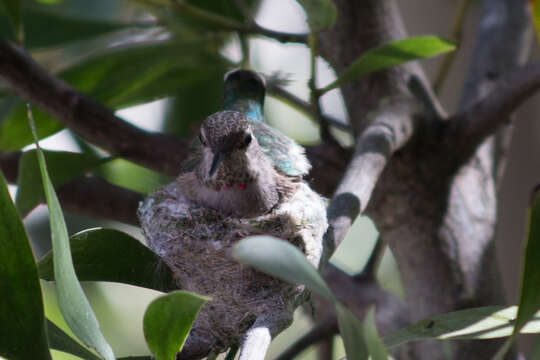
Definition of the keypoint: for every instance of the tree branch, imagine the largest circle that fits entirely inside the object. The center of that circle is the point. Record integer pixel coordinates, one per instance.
(92, 196)
(304, 106)
(388, 131)
(467, 130)
(86, 117)
(9, 163)
(95, 197)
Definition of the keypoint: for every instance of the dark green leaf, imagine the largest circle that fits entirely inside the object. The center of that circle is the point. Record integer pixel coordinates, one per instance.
(122, 77)
(477, 323)
(321, 14)
(392, 54)
(63, 166)
(190, 105)
(59, 340)
(73, 303)
(111, 255)
(22, 329)
(351, 332)
(376, 348)
(529, 297)
(282, 260)
(167, 322)
(13, 10)
(45, 28)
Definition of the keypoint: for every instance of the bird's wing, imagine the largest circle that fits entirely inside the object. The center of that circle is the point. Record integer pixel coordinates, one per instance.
(285, 153)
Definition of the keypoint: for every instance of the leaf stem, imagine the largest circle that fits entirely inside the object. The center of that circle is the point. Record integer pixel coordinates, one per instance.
(456, 37)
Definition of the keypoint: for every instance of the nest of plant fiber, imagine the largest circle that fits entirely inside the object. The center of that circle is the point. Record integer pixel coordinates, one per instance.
(196, 243)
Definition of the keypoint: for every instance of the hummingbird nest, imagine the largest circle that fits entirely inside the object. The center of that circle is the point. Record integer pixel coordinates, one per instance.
(196, 242)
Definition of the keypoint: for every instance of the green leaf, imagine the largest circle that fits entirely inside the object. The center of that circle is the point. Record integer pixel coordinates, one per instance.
(59, 340)
(111, 255)
(124, 76)
(45, 28)
(535, 12)
(167, 322)
(392, 54)
(73, 303)
(64, 166)
(131, 176)
(321, 14)
(282, 260)
(529, 297)
(477, 323)
(351, 332)
(22, 329)
(376, 348)
(13, 9)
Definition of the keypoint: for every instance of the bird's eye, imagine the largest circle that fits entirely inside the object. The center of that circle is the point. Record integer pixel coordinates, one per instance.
(201, 139)
(247, 140)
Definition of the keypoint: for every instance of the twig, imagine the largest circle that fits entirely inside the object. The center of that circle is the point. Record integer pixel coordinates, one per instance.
(184, 8)
(321, 331)
(301, 105)
(87, 118)
(455, 36)
(255, 343)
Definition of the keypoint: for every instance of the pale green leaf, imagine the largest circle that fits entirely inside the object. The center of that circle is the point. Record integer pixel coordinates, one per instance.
(477, 323)
(282, 260)
(167, 322)
(321, 14)
(351, 332)
(73, 303)
(376, 348)
(392, 54)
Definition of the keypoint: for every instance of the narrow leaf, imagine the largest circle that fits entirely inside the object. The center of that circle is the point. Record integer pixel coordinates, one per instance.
(167, 322)
(529, 297)
(63, 166)
(59, 340)
(351, 332)
(477, 323)
(321, 14)
(392, 54)
(376, 348)
(111, 255)
(13, 9)
(44, 28)
(73, 303)
(22, 329)
(282, 260)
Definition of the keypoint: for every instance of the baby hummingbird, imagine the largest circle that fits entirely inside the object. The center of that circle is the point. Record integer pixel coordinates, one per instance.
(239, 165)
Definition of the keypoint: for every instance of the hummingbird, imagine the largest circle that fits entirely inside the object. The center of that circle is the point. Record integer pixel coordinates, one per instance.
(239, 165)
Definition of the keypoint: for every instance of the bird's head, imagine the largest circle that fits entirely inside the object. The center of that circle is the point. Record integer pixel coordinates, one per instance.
(244, 84)
(224, 134)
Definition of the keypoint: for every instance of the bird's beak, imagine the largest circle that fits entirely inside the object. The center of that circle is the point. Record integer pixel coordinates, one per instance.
(215, 163)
